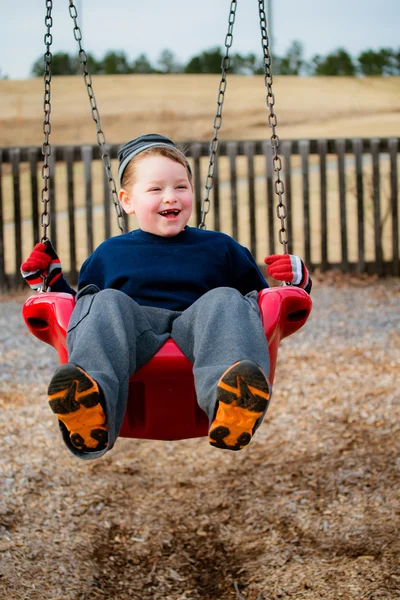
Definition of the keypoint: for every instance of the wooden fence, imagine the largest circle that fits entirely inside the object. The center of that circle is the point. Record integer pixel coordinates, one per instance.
(342, 199)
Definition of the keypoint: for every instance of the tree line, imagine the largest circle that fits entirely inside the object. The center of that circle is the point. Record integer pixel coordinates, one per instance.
(382, 62)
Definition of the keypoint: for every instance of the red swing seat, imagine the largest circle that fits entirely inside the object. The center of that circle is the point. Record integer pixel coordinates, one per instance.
(162, 400)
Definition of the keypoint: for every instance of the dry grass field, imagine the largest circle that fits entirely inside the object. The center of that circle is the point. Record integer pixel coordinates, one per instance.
(183, 107)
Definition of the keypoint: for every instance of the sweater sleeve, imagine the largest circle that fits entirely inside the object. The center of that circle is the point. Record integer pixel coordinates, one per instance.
(62, 285)
(244, 273)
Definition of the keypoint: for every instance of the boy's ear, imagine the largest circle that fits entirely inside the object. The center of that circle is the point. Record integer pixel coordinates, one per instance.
(126, 202)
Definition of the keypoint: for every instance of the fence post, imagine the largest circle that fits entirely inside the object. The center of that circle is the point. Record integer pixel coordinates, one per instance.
(322, 151)
(3, 279)
(393, 150)
(15, 155)
(87, 155)
(287, 154)
(376, 179)
(69, 160)
(249, 151)
(107, 200)
(195, 149)
(304, 152)
(33, 156)
(232, 148)
(216, 196)
(358, 155)
(52, 197)
(270, 196)
(340, 151)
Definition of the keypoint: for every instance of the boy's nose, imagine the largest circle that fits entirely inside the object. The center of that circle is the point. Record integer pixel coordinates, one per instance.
(170, 197)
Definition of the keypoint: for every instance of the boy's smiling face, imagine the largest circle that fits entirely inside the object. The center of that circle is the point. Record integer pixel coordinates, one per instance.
(161, 197)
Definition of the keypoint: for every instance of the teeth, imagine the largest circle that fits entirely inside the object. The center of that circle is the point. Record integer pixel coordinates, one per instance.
(168, 212)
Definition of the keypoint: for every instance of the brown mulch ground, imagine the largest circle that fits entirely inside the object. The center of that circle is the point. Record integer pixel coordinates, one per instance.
(309, 510)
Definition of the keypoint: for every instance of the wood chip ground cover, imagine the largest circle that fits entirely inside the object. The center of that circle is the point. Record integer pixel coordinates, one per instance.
(309, 510)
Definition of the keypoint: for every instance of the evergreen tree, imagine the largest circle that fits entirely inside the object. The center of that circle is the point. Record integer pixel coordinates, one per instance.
(385, 61)
(168, 63)
(292, 63)
(337, 63)
(380, 62)
(142, 65)
(396, 61)
(115, 63)
(208, 61)
(246, 64)
(61, 64)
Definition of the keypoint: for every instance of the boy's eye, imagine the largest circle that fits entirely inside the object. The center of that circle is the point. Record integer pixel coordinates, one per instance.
(154, 189)
(182, 187)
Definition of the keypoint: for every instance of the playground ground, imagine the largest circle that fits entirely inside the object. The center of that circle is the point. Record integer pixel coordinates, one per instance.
(309, 510)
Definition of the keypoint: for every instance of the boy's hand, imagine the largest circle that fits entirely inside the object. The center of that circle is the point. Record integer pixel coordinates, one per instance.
(43, 267)
(289, 268)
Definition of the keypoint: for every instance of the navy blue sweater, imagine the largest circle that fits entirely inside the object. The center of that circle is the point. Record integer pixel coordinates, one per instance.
(169, 272)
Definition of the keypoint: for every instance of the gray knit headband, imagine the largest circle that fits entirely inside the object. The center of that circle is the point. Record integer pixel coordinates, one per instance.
(138, 145)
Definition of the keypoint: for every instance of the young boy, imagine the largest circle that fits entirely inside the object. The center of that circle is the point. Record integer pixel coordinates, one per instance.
(163, 280)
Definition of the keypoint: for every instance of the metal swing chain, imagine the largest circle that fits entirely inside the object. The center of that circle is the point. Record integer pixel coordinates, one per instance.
(205, 205)
(46, 147)
(101, 139)
(272, 122)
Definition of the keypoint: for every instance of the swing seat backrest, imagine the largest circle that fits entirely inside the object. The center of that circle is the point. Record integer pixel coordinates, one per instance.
(162, 400)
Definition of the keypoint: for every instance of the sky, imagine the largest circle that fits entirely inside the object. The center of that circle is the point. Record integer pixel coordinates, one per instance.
(187, 27)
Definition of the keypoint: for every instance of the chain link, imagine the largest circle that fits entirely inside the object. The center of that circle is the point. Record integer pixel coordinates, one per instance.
(101, 140)
(46, 146)
(205, 205)
(272, 122)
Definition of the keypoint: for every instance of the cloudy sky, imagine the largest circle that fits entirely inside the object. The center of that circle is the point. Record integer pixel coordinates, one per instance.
(189, 26)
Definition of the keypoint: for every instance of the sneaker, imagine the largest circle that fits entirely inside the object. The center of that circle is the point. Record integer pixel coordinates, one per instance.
(75, 399)
(243, 395)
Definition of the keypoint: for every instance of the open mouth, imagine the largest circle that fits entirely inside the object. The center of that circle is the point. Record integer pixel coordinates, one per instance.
(170, 213)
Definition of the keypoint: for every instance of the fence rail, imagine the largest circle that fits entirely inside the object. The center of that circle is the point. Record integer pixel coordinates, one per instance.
(342, 198)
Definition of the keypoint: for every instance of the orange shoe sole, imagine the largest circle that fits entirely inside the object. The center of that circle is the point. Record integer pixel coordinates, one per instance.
(243, 395)
(74, 397)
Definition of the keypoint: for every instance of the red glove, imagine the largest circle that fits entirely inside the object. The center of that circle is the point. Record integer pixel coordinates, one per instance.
(43, 267)
(289, 268)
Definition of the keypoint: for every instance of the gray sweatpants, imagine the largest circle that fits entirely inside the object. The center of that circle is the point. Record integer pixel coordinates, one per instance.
(110, 336)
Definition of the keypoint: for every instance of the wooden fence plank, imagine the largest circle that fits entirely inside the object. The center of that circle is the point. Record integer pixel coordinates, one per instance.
(249, 149)
(304, 152)
(267, 151)
(216, 196)
(195, 152)
(69, 161)
(107, 200)
(394, 182)
(3, 278)
(287, 199)
(340, 151)
(232, 153)
(322, 150)
(33, 161)
(15, 162)
(358, 156)
(52, 206)
(87, 155)
(376, 183)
